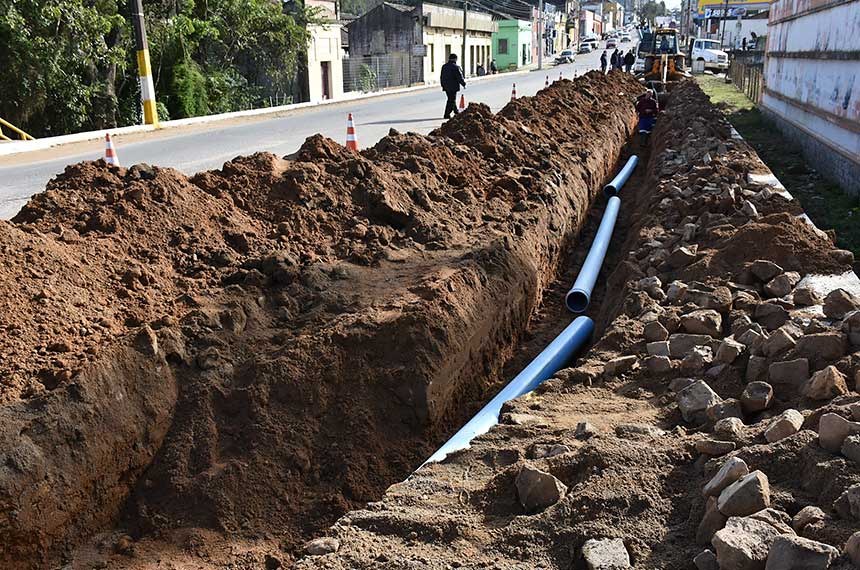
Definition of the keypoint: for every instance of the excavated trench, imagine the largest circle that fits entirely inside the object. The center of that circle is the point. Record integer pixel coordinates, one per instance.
(294, 334)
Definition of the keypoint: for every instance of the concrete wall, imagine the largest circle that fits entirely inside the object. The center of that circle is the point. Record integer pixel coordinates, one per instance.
(443, 34)
(325, 57)
(812, 82)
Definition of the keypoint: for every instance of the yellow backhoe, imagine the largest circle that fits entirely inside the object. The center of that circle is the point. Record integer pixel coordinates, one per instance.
(665, 64)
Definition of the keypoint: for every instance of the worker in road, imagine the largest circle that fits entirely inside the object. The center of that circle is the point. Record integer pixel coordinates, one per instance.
(647, 109)
(629, 60)
(451, 79)
(603, 62)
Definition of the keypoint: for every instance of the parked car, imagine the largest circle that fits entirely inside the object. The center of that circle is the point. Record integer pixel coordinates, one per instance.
(565, 56)
(585, 47)
(709, 52)
(611, 43)
(625, 38)
(639, 64)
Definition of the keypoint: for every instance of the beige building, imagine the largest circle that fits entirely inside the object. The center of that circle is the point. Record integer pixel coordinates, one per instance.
(443, 35)
(325, 56)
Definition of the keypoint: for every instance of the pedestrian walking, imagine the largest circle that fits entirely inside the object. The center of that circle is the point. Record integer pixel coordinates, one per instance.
(603, 62)
(613, 60)
(493, 69)
(451, 79)
(629, 60)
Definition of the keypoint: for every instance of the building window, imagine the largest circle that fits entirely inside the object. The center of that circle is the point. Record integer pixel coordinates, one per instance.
(432, 53)
(447, 51)
(503, 46)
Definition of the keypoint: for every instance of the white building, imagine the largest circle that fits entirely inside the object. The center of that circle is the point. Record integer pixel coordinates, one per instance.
(443, 35)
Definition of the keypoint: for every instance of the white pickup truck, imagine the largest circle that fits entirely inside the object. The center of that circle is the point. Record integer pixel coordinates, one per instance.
(709, 52)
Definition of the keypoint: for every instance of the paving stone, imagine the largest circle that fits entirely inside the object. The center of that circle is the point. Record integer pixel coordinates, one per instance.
(676, 291)
(791, 372)
(771, 315)
(825, 384)
(620, 365)
(851, 327)
(730, 471)
(730, 428)
(745, 496)
(784, 425)
(757, 366)
(847, 505)
(680, 257)
(711, 522)
(781, 285)
(852, 548)
(765, 270)
(728, 408)
(821, 346)
(678, 384)
(695, 399)
(851, 448)
(658, 364)
(605, 554)
(797, 553)
(806, 297)
(655, 331)
(680, 344)
(714, 447)
(729, 350)
(805, 516)
(833, 429)
(706, 560)
(699, 358)
(757, 396)
(743, 544)
(702, 321)
(839, 303)
(658, 348)
(538, 489)
(777, 343)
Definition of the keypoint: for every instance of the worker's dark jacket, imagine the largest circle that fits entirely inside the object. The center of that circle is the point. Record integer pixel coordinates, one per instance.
(451, 77)
(646, 107)
(629, 59)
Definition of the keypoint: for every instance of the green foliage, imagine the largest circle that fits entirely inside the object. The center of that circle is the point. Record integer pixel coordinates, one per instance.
(366, 78)
(70, 65)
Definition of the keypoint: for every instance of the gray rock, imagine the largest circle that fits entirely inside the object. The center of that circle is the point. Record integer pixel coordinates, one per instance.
(652, 286)
(681, 257)
(825, 384)
(730, 428)
(605, 554)
(695, 399)
(538, 489)
(765, 270)
(749, 209)
(714, 447)
(655, 331)
(791, 372)
(797, 553)
(658, 348)
(851, 327)
(784, 425)
(620, 365)
(821, 346)
(745, 496)
(678, 384)
(703, 321)
(752, 337)
(805, 516)
(731, 470)
(719, 298)
(833, 429)
(713, 521)
(145, 341)
(681, 344)
(806, 297)
(780, 341)
(729, 350)
(851, 448)
(839, 303)
(658, 364)
(847, 505)
(706, 560)
(852, 548)
(779, 520)
(781, 285)
(676, 292)
(757, 396)
(744, 543)
(699, 358)
(321, 546)
(728, 408)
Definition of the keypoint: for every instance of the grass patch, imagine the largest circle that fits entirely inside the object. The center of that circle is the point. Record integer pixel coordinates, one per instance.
(824, 202)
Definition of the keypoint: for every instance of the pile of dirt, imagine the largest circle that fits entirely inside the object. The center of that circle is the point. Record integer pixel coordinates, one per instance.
(710, 351)
(256, 350)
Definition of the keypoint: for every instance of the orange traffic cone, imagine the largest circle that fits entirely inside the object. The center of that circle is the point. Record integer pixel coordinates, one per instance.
(110, 152)
(546, 83)
(351, 139)
(514, 92)
(462, 106)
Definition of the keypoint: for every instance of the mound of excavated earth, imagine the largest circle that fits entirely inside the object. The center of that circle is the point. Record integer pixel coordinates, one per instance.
(714, 423)
(207, 372)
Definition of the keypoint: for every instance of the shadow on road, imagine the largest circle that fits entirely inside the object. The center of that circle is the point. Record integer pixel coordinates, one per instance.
(395, 122)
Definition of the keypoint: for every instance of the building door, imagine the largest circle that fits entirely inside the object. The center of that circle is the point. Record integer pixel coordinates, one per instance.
(525, 54)
(325, 73)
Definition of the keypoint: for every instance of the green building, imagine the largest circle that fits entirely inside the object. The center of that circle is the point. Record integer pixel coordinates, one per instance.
(512, 44)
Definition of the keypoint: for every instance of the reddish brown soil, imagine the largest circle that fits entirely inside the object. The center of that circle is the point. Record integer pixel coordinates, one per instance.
(256, 350)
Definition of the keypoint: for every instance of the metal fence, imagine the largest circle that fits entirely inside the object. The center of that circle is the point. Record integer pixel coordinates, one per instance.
(375, 72)
(747, 72)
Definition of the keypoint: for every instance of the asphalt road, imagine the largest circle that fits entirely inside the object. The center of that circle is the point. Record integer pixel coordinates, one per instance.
(207, 147)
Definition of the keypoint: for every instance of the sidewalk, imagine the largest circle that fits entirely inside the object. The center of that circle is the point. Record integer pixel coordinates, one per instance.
(19, 147)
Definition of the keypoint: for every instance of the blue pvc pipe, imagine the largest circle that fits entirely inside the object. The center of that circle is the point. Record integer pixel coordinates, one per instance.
(579, 296)
(554, 356)
(614, 186)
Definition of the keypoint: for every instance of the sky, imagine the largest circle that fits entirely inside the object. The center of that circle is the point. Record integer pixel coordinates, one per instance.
(673, 4)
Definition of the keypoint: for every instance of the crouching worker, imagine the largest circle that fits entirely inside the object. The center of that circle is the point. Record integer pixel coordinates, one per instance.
(647, 109)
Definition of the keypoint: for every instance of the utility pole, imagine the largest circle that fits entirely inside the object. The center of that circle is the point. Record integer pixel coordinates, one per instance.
(144, 68)
(723, 30)
(465, 18)
(541, 31)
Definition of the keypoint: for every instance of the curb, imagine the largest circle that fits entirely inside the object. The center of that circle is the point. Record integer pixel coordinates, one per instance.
(20, 147)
